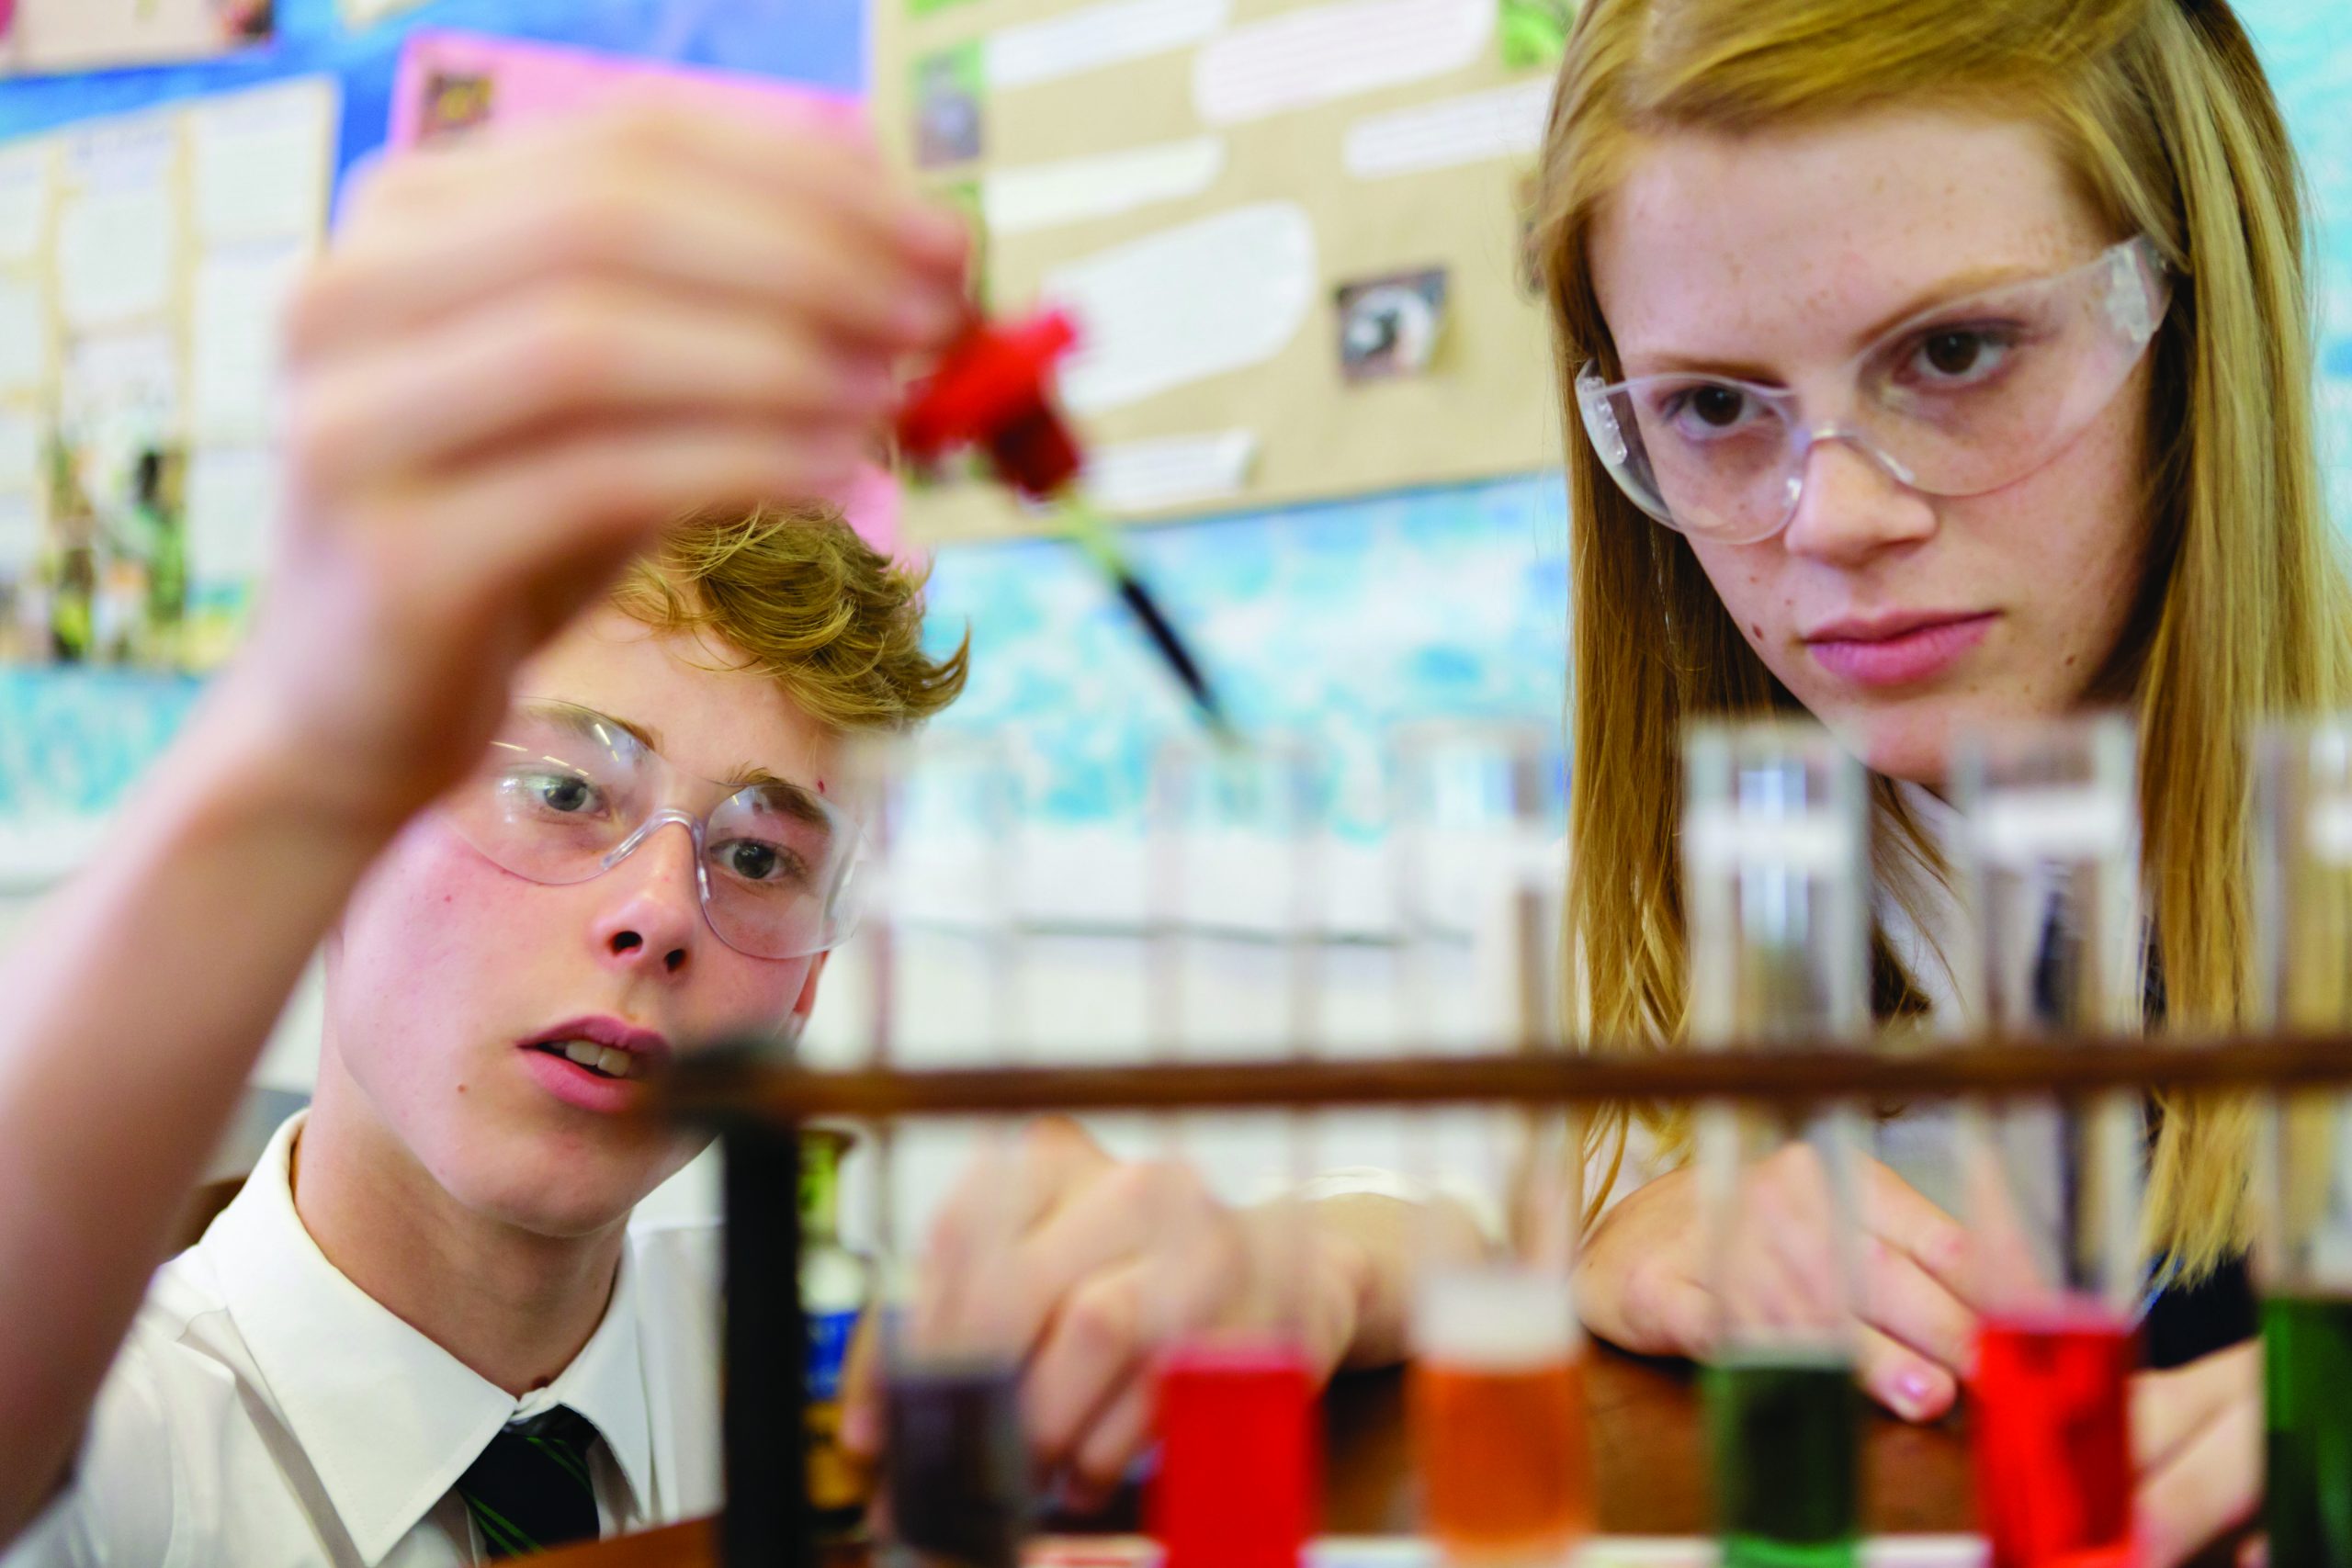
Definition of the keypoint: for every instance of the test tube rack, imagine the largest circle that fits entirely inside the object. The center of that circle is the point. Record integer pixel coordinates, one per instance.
(758, 1104)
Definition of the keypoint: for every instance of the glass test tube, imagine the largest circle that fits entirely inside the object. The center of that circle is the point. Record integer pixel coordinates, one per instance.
(1773, 869)
(2051, 1190)
(1235, 899)
(834, 1284)
(957, 1467)
(1497, 1387)
(2303, 1257)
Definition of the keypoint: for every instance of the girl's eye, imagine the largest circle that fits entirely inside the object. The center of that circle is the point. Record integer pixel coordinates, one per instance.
(1959, 356)
(1706, 409)
(1718, 406)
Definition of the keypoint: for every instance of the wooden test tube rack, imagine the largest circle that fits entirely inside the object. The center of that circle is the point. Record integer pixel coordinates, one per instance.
(758, 1104)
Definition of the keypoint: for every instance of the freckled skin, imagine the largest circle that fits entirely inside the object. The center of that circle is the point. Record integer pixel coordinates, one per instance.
(1782, 249)
(441, 961)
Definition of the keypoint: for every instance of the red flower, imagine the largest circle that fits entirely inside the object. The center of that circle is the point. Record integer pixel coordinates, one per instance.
(994, 389)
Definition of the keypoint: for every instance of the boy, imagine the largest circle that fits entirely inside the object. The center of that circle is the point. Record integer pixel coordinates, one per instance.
(521, 358)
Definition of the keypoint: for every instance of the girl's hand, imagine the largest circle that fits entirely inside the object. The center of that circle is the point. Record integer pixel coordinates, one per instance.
(1642, 1280)
(1095, 1267)
(2197, 1433)
(525, 356)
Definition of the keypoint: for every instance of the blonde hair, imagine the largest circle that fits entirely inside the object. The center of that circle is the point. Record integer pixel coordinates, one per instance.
(2162, 111)
(805, 601)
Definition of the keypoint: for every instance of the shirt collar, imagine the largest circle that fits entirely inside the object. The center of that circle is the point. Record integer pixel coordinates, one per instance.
(388, 1419)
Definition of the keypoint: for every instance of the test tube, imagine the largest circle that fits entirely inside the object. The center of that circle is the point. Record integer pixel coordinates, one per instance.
(955, 1465)
(2303, 1253)
(1773, 871)
(1496, 1386)
(1234, 899)
(2051, 1189)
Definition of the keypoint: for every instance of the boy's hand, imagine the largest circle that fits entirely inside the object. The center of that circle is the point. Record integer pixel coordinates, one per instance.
(1098, 1265)
(523, 357)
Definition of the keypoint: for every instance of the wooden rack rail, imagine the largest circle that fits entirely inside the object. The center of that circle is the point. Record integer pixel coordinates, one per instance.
(759, 1105)
(730, 1086)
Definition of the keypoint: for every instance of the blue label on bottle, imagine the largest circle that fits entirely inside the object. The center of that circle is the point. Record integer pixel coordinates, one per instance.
(829, 1336)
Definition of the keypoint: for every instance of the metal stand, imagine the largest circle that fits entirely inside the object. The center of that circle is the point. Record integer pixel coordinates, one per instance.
(767, 1516)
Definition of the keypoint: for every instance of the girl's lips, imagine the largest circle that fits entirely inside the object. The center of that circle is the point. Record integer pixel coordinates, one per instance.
(1916, 653)
(579, 1087)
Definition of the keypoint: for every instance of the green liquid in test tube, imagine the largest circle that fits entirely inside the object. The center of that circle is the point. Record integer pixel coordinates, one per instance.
(1774, 877)
(2304, 1254)
(1783, 1434)
(2307, 1372)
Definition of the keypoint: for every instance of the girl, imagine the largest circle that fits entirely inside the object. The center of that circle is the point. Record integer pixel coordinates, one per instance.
(1926, 363)
(1939, 363)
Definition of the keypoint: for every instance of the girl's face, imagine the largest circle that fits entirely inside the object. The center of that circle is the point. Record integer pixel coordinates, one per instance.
(446, 969)
(1776, 257)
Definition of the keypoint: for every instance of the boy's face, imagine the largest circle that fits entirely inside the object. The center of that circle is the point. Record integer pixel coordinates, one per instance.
(446, 969)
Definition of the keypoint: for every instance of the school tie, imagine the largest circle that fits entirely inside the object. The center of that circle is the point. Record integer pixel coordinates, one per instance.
(531, 1488)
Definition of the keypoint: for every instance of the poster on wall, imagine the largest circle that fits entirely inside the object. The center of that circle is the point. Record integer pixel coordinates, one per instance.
(452, 83)
(1293, 233)
(138, 369)
(42, 36)
(360, 14)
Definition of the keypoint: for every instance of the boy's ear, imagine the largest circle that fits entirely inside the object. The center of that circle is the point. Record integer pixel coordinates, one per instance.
(806, 1002)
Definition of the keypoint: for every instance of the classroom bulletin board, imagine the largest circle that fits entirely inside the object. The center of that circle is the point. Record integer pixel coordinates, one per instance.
(81, 35)
(146, 263)
(1293, 233)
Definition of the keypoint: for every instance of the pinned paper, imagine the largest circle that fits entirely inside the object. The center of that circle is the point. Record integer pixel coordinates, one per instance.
(1334, 51)
(1095, 35)
(949, 124)
(119, 392)
(1504, 122)
(20, 533)
(360, 14)
(1389, 326)
(24, 338)
(76, 35)
(1217, 295)
(27, 190)
(263, 161)
(235, 337)
(519, 82)
(20, 449)
(1072, 190)
(1535, 32)
(232, 501)
(870, 507)
(117, 236)
(1168, 473)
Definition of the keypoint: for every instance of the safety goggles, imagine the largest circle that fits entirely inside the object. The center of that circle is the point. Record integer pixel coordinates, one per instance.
(1962, 399)
(565, 794)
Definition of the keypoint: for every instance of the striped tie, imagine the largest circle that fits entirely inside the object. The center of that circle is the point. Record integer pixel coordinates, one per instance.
(531, 1489)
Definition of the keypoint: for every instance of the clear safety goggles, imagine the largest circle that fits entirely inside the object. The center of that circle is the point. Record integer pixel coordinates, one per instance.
(565, 794)
(1962, 399)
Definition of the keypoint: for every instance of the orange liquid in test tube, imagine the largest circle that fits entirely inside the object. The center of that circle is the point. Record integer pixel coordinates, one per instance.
(1498, 1425)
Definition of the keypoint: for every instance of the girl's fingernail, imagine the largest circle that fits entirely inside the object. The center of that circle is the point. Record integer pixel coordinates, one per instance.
(1912, 1391)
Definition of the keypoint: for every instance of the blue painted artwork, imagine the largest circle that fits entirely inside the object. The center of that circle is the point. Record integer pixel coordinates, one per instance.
(1341, 619)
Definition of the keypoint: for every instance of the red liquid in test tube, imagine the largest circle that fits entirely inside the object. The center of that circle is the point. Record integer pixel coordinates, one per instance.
(2054, 1439)
(1240, 1460)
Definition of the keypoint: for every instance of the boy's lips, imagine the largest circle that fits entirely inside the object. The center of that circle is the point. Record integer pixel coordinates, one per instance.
(595, 1063)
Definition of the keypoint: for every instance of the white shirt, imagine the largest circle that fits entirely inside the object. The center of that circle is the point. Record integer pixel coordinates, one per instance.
(265, 1412)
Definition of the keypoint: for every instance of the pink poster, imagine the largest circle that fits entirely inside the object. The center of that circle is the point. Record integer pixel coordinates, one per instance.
(450, 81)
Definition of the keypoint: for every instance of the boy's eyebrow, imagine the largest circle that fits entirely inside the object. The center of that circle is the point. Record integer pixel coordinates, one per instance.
(586, 720)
